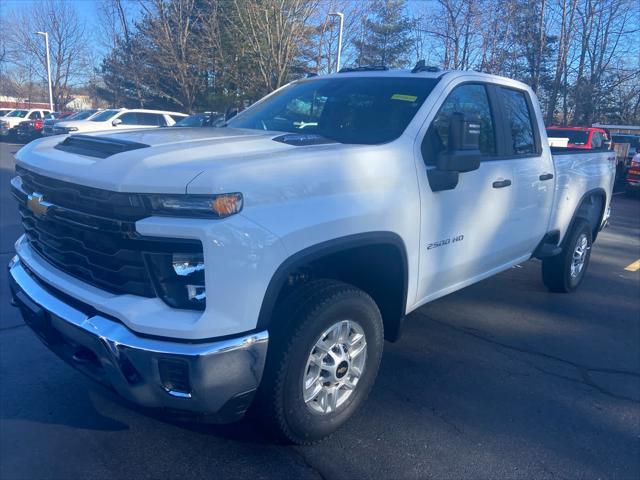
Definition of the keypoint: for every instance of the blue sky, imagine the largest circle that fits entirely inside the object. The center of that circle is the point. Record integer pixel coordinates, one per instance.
(86, 8)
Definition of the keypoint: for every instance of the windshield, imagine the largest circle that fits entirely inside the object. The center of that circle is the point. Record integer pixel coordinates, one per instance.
(632, 139)
(83, 115)
(18, 113)
(103, 116)
(191, 121)
(365, 110)
(576, 137)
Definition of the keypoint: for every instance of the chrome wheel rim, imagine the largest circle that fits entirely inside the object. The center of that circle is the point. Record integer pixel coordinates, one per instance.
(579, 255)
(334, 367)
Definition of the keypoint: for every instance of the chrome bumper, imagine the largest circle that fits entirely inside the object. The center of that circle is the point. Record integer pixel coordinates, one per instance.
(216, 378)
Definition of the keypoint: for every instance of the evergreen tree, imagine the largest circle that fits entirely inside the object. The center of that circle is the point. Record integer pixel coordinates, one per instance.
(386, 35)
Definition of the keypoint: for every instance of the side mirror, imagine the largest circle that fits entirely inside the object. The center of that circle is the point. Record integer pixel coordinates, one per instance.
(606, 144)
(463, 152)
(116, 122)
(230, 113)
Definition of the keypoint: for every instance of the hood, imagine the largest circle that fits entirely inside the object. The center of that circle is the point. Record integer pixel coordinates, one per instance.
(163, 160)
(13, 120)
(85, 125)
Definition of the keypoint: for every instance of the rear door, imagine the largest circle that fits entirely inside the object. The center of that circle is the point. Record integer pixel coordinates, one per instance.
(533, 168)
(467, 232)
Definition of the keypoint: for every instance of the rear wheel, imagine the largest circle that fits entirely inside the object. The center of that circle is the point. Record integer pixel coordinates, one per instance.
(323, 359)
(564, 272)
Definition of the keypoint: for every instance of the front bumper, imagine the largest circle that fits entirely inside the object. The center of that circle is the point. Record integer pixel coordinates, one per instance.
(217, 378)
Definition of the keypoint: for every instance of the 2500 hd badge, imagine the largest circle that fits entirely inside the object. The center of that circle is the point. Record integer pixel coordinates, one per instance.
(446, 241)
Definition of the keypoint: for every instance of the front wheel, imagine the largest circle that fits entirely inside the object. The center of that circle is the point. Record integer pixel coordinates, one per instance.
(564, 272)
(323, 359)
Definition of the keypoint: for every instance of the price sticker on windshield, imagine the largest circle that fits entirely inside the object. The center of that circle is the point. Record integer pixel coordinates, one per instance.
(406, 98)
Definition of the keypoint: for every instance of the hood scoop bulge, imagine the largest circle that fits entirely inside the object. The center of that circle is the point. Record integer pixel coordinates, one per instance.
(302, 139)
(99, 147)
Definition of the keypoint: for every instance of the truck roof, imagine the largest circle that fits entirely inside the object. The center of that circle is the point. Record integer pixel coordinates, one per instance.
(449, 74)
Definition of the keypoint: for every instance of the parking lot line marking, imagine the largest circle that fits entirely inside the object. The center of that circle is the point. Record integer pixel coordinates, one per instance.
(633, 267)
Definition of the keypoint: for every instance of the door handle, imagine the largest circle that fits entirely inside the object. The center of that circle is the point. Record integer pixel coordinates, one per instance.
(546, 176)
(501, 183)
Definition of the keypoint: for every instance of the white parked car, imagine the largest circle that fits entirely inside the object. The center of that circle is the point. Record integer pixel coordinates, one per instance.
(10, 121)
(50, 123)
(121, 119)
(203, 269)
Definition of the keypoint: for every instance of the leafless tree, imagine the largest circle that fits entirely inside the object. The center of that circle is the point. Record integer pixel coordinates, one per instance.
(175, 32)
(67, 44)
(274, 30)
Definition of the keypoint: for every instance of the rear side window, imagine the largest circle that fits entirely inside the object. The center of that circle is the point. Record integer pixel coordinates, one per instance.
(34, 115)
(130, 118)
(519, 121)
(151, 119)
(468, 99)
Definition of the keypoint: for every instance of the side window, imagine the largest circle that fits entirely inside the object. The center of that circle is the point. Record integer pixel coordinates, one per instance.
(162, 120)
(469, 99)
(129, 118)
(596, 140)
(519, 121)
(150, 119)
(34, 115)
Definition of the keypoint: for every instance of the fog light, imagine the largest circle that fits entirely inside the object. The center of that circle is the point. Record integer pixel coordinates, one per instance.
(196, 292)
(178, 278)
(187, 263)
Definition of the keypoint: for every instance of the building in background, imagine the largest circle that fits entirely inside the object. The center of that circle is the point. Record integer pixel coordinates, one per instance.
(620, 129)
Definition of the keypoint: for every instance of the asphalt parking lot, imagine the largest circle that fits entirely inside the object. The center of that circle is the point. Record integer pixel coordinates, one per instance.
(500, 380)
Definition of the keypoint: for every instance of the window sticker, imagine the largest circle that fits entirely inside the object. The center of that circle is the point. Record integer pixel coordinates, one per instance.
(406, 98)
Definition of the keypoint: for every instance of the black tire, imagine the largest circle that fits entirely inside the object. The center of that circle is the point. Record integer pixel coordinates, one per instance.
(299, 322)
(556, 271)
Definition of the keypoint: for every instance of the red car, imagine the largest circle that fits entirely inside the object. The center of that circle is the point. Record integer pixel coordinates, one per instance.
(632, 179)
(581, 137)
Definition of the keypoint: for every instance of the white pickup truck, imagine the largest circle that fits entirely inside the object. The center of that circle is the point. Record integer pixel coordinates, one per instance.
(263, 264)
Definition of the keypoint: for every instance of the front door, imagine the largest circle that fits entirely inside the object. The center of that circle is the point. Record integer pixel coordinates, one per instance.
(466, 231)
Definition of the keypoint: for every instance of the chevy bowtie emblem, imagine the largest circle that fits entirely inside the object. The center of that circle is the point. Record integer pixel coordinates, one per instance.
(36, 203)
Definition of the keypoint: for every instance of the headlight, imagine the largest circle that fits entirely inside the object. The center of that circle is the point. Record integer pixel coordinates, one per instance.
(212, 206)
(179, 278)
(65, 129)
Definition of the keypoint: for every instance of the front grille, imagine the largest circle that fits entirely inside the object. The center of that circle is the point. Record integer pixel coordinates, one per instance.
(90, 234)
(105, 259)
(94, 201)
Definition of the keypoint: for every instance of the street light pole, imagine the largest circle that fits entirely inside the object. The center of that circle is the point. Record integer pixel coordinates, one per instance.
(340, 15)
(46, 46)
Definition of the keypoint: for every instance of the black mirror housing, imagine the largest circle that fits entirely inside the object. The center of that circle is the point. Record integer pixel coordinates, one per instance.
(230, 113)
(463, 152)
(460, 161)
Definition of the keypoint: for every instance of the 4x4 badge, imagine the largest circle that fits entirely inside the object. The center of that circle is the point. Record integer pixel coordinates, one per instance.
(36, 203)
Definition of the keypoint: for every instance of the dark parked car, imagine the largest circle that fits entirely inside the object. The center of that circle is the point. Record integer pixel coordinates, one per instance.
(632, 140)
(29, 129)
(49, 123)
(206, 119)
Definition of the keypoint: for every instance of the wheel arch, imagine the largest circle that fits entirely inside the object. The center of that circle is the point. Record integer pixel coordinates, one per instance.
(349, 259)
(591, 207)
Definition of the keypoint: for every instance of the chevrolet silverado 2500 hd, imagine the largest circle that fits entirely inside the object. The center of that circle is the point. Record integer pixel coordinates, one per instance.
(264, 263)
